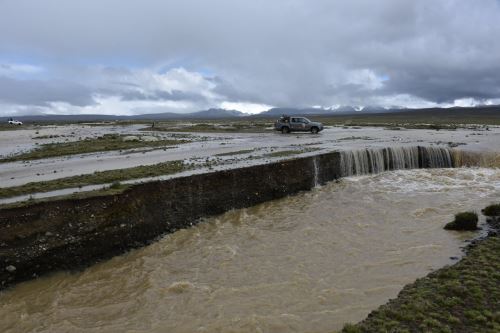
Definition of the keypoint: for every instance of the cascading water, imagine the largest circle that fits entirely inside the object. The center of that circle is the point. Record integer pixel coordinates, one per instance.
(439, 157)
(316, 171)
(365, 161)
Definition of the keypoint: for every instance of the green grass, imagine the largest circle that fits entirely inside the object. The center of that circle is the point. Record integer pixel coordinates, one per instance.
(100, 177)
(352, 138)
(284, 153)
(238, 152)
(492, 210)
(214, 126)
(102, 192)
(106, 142)
(8, 127)
(461, 298)
(420, 119)
(53, 136)
(463, 221)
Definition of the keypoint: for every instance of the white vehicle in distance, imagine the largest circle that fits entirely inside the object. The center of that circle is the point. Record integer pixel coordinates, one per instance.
(15, 122)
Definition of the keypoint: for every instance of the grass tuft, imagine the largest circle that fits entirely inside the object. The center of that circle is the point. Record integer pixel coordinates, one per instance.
(106, 142)
(99, 177)
(463, 221)
(238, 152)
(492, 210)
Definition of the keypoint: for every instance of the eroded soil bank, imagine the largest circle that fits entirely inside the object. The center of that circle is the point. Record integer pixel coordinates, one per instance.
(71, 233)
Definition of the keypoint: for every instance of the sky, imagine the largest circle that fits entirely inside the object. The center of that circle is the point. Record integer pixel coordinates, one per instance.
(149, 56)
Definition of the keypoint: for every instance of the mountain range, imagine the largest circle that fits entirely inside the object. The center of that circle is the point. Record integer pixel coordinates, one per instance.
(229, 114)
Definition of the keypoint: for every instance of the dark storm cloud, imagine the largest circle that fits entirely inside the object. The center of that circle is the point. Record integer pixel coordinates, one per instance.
(41, 93)
(159, 95)
(446, 87)
(288, 52)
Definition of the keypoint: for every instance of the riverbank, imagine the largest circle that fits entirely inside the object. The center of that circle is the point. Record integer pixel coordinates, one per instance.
(39, 237)
(464, 297)
(69, 233)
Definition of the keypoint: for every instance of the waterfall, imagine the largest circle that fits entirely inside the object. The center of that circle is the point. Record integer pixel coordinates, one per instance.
(316, 171)
(365, 161)
(439, 157)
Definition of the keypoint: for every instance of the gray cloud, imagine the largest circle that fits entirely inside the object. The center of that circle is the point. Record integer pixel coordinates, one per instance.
(286, 53)
(42, 93)
(175, 95)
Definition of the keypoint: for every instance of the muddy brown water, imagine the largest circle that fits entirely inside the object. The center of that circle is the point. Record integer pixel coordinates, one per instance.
(307, 263)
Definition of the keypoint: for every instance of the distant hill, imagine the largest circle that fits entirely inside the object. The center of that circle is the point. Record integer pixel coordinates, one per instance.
(457, 115)
(206, 114)
(276, 112)
(65, 118)
(216, 113)
(345, 109)
(375, 111)
(448, 113)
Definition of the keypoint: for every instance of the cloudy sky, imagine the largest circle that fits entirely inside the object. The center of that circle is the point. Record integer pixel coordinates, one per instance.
(131, 57)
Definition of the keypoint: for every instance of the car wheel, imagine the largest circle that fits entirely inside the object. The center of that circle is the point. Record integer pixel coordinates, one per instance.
(314, 130)
(285, 130)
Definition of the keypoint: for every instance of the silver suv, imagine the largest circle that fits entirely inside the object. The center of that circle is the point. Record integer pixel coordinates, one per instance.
(287, 124)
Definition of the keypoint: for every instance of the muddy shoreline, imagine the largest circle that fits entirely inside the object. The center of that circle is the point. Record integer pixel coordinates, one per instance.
(462, 297)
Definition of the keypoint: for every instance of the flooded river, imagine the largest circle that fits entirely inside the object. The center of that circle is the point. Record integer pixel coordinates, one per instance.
(307, 263)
